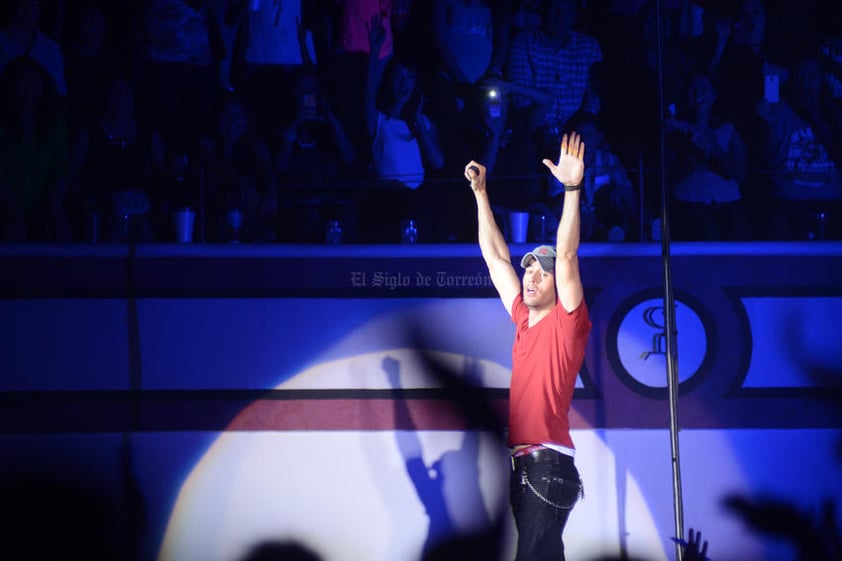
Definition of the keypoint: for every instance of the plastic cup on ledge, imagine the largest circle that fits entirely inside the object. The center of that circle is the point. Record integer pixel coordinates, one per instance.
(518, 226)
(183, 221)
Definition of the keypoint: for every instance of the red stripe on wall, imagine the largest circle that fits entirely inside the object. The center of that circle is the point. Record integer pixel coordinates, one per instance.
(362, 414)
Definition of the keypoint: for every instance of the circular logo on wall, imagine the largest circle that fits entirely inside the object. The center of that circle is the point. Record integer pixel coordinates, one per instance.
(637, 343)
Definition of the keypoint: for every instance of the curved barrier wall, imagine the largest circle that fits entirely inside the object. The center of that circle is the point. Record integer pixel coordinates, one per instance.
(213, 378)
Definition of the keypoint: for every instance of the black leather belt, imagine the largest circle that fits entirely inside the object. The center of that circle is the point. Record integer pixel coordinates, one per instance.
(541, 455)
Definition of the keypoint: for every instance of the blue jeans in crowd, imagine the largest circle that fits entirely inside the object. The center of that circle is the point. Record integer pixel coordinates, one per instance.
(544, 487)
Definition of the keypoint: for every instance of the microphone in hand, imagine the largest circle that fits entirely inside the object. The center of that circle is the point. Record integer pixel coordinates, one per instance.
(474, 174)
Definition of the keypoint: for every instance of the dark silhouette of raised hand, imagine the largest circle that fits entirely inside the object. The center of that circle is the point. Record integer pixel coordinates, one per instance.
(814, 539)
(696, 549)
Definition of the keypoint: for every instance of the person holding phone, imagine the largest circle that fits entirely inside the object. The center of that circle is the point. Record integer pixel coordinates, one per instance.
(315, 151)
(803, 135)
(707, 159)
(547, 306)
(315, 148)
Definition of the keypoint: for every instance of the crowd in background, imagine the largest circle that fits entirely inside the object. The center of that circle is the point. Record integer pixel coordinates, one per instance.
(274, 118)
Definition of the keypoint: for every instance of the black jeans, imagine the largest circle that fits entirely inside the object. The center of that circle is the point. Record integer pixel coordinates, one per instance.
(543, 489)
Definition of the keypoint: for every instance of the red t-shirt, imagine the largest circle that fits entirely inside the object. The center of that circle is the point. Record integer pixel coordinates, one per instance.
(356, 16)
(546, 359)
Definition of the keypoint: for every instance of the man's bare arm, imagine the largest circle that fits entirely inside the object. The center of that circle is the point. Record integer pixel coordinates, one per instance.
(492, 244)
(569, 171)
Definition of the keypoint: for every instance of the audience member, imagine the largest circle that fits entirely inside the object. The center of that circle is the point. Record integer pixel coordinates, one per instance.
(349, 67)
(457, 52)
(33, 155)
(315, 148)
(481, 134)
(474, 545)
(402, 136)
(804, 186)
(609, 206)
(23, 37)
(525, 15)
(813, 537)
(239, 177)
(402, 13)
(274, 39)
(181, 52)
(313, 155)
(641, 77)
(831, 56)
(224, 22)
(692, 549)
(116, 158)
(352, 27)
(813, 101)
(695, 549)
(828, 34)
(486, 131)
(275, 33)
(89, 62)
(551, 69)
(547, 79)
(746, 53)
(706, 165)
(748, 56)
(505, 145)
(470, 40)
(404, 140)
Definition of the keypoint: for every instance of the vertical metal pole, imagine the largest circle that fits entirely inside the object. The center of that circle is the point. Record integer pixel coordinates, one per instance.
(669, 307)
(641, 211)
(133, 502)
(201, 212)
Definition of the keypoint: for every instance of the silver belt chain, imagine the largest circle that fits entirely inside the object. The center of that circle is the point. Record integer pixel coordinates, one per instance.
(525, 478)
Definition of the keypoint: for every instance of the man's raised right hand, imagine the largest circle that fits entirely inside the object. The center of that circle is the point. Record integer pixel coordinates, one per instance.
(475, 173)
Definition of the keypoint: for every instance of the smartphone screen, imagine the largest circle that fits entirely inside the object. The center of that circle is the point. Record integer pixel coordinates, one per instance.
(771, 88)
(495, 103)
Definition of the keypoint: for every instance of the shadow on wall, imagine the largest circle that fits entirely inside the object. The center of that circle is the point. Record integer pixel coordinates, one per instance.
(429, 481)
(815, 536)
(48, 515)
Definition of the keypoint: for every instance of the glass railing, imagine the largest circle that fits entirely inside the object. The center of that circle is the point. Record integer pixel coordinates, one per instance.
(619, 204)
